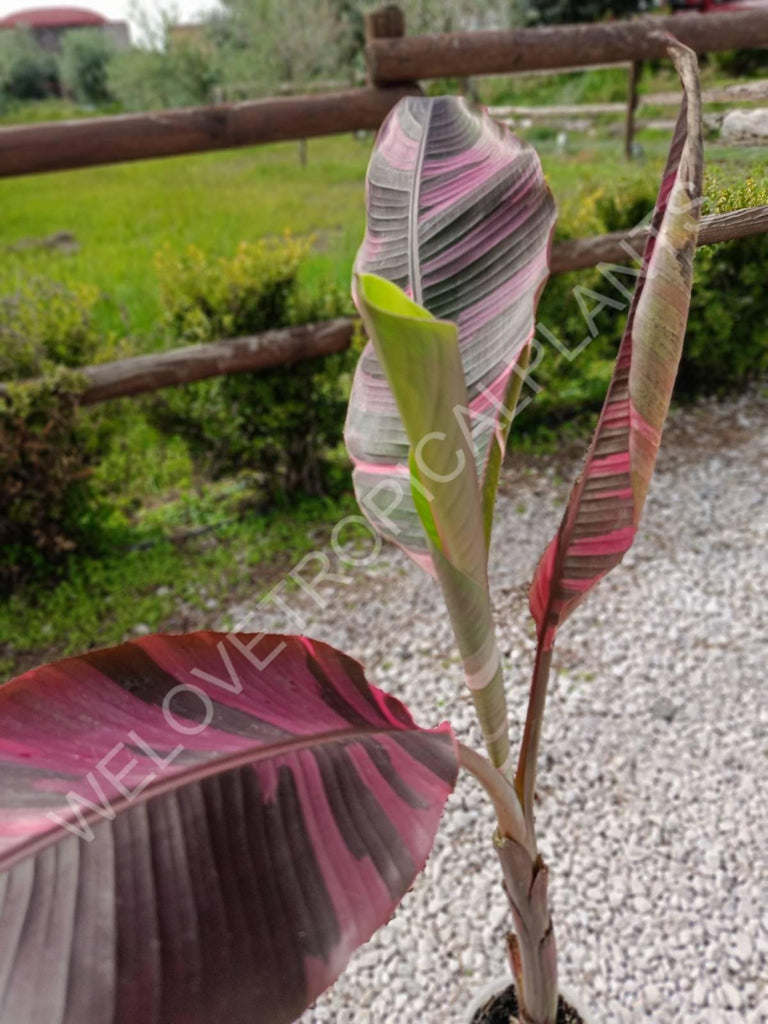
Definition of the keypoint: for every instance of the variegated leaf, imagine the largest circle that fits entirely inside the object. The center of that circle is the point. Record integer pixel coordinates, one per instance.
(420, 357)
(604, 509)
(201, 829)
(460, 218)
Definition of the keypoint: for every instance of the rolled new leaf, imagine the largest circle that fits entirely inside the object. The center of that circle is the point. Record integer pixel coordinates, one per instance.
(421, 360)
(605, 506)
(460, 218)
(201, 829)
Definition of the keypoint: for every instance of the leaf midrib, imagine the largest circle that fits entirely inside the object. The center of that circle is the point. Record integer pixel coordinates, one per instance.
(187, 777)
(414, 261)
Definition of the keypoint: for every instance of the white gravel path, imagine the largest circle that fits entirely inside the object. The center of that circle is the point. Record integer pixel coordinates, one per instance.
(653, 809)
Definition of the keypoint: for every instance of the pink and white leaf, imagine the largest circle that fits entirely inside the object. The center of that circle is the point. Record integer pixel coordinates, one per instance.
(606, 504)
(460, 218)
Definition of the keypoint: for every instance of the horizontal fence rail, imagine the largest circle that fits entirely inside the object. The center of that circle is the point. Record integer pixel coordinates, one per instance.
(395, 63)
(147, 373)
(623, 246)
(264, 351)
(65, 145)
(464, 54)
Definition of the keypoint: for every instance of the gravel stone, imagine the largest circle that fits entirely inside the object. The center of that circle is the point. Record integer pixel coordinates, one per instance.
(656, 824)
(732, 996)
(651, 997)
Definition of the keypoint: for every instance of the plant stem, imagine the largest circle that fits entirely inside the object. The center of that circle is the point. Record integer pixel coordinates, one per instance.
(469, 609)
(509, 813)
(532, 948)
(525, 778)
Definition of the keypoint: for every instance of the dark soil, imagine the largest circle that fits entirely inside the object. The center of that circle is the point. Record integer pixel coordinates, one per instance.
(502, 1009)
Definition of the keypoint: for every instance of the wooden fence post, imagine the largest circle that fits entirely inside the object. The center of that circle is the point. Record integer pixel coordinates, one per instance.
(635, 69)
(383, 23)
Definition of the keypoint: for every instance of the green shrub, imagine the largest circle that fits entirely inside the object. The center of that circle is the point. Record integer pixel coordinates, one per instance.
(278, 426)
(85, 59)
(179, 76)
(742, 63)
(26, 71)
(727, 338)
(584, 312)
(44, 324)
(47, 450)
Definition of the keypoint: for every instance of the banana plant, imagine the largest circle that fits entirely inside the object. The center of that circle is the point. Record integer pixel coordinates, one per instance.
(446, 283)
(201, 829)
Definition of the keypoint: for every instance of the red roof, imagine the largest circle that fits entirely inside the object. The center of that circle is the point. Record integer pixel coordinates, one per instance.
(52, 17)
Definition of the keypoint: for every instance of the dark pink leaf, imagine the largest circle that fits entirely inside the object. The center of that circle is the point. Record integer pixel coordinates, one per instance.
(201, 829)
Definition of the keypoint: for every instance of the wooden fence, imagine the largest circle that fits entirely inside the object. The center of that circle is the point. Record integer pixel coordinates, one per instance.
(463, 54)
(142, 374)
(66, 145)
(395, 63)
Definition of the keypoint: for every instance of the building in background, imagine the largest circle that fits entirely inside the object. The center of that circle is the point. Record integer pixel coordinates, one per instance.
(49, 25)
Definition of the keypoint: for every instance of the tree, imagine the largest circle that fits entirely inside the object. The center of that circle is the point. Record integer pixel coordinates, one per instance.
(182, 75)
(266, 43)
(26, 71)
(85, 60)
(429, 16)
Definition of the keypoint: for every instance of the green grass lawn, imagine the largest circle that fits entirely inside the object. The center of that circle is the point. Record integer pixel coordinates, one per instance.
(171, 581)
(121, 215)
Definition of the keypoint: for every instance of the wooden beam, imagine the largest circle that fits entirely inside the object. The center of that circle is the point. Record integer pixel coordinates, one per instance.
(277, 348)
(462, 54)
(197, 362)
(624, 246)
(383, 23)
(62, 145)
(750, 90)
(742, 92)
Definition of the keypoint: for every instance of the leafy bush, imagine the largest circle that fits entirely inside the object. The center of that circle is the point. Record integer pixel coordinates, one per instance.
(44, 324)
(180, 76)
(47, 507)
(26, 71)
(279, 424)
(742, 63)
(727, 338)
(582, 314)
(85, 59)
